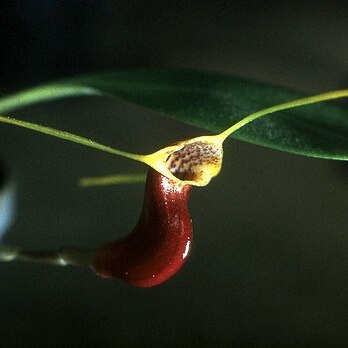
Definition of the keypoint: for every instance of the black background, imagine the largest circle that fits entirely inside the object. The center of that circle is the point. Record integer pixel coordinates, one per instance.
(269, 267)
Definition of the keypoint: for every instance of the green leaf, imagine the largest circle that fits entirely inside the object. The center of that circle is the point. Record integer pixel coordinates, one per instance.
(214, 102)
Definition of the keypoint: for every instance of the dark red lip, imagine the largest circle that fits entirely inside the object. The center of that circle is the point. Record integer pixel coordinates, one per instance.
(159, 244)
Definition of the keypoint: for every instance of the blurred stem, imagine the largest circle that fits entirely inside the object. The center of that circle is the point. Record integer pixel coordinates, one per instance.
(60, 257)
(113, 179)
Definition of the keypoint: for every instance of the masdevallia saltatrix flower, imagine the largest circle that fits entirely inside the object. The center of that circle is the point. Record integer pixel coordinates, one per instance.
(194, 161)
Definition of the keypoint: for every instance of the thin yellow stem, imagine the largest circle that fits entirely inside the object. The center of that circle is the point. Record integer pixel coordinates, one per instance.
(113, 180)
(71, 137)
(284, 106)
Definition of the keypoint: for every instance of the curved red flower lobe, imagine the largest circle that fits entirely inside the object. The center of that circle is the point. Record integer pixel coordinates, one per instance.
(159, 244)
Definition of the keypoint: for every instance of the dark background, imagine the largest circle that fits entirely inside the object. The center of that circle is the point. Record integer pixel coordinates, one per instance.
(269, 266)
